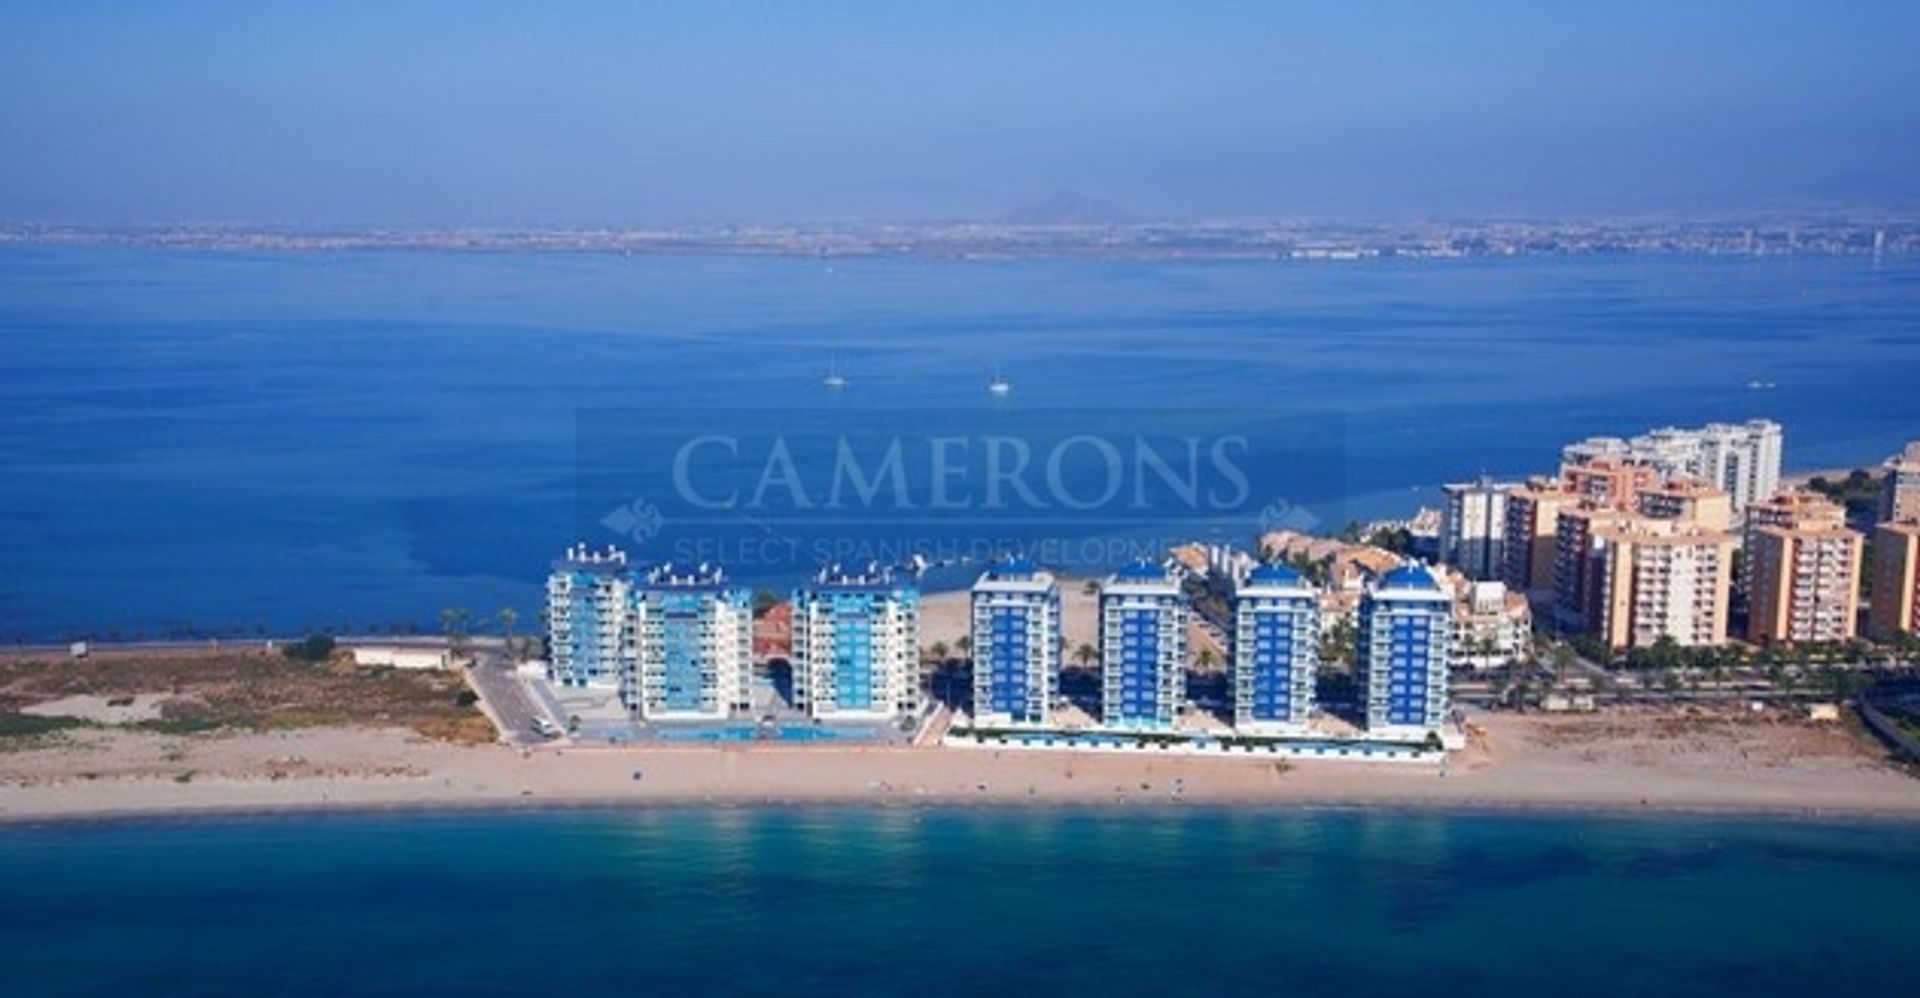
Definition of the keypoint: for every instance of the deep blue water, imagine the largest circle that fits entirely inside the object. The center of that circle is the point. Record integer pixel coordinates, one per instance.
(933, 903)
(243, 441)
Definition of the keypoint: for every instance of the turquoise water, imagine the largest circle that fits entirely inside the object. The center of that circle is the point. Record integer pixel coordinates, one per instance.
(799, 903)
(197, 442)
(753, 732)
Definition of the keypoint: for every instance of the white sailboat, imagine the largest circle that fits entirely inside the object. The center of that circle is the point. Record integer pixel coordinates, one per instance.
(999, 385)
(833, 380)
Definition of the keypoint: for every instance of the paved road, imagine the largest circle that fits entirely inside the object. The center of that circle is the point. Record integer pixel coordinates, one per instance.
(507, 696)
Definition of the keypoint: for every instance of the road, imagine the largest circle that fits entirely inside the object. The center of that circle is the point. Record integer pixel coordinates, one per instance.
(507, 696)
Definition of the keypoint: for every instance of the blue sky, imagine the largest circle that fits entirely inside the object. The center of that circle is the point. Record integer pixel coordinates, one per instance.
(624, 113)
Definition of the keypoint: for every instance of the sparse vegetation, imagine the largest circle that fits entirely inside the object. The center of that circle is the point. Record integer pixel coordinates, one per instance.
(316, 648)
(246, 690)
(26, 726)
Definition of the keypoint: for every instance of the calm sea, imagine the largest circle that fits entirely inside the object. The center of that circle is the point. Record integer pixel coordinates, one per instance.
(239, 441)
(942, 902)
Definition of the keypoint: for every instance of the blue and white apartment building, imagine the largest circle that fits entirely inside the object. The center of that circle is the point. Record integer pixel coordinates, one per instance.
(1016, 645)
(693, 645)
(1402, 652)
(588, 637)
(856, 646)
(1143, 647)
(674, 642)
(1276, 655)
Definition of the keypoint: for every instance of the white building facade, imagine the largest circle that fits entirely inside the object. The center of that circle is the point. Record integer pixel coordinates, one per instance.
(692, 651)
(1473, 526)
(856, 646)
(589, 635)
(1742, 458)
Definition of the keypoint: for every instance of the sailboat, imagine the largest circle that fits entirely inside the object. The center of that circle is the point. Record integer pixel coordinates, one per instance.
(833, 380)
(999, 385)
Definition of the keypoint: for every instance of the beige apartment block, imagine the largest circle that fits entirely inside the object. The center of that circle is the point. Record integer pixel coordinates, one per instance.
(1659, 578)
(1794, 510)
(1687, 500)
(1896, 578)
(1533, 519)
(1805, 583)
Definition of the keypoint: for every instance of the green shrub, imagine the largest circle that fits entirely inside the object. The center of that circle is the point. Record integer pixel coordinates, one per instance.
(316, 648)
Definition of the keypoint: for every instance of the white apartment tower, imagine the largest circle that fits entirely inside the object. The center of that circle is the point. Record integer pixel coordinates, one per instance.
(1473, 527)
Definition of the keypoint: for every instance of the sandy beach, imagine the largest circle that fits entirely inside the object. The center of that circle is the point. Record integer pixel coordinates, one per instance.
(1626, 760)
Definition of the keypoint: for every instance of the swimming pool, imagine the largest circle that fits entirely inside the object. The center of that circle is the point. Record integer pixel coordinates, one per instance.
(755, 732)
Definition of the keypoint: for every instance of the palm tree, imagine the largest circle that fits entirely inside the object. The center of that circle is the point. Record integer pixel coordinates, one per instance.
(509, 617)
(965, 645)
(453, 623)
(1085, 654)
(1204, 660)
(939, 650)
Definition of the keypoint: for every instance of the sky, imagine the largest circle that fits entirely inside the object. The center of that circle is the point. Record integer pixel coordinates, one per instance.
(422, 115)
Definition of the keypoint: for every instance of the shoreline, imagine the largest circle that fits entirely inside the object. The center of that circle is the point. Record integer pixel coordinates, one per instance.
(479, 807)
(1628, 763)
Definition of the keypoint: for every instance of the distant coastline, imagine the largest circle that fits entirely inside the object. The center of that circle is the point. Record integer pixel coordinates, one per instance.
(1828, 234)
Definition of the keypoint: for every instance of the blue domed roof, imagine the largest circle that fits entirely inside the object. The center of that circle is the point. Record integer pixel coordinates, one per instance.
(1409, 577)
(1274, 574)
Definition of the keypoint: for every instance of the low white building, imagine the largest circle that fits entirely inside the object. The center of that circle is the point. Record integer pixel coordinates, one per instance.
(1491, 625)
(402, 656)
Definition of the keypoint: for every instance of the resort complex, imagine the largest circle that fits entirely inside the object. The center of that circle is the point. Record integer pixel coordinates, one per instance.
(1674, 540)
(674, 641)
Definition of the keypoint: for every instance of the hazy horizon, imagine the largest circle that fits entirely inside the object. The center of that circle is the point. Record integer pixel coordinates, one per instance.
(423, 116)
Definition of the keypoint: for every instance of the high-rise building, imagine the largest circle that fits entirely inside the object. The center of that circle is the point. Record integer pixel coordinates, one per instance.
(692, 645)
(1742, 458)
(1575, 583)
(1805, 583)
(1403, 652)
(1650, 579)
(1686, 500)
(856, 645)
(1473, 526)
(1793, 510)
(1609, 482)
(1016, 645)
(1900, 490)
(673, 641)
(1533, 521)
(1896, 579)
(1276, 656)
(589, 634)
(1143, 647)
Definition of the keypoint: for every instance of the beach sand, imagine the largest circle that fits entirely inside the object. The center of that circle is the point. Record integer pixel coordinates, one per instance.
(946, 616)
(1629, 760)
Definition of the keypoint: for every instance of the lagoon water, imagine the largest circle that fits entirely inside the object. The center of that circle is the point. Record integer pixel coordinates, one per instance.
(960, 902)
(247, 442)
